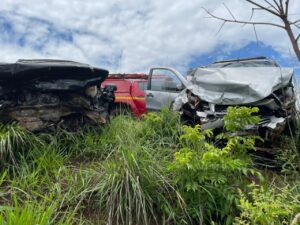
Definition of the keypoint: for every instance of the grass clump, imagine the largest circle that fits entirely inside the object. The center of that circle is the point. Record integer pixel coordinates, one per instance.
(134, 185)
(32, 213)
(13, 141)
(135, 190)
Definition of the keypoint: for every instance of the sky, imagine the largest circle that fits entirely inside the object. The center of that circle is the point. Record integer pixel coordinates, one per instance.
(134, 35)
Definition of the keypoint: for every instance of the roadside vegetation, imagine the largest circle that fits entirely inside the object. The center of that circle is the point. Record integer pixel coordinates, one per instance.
(148, 171)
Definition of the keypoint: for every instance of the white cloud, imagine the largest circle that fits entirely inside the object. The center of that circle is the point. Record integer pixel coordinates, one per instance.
(127, 35)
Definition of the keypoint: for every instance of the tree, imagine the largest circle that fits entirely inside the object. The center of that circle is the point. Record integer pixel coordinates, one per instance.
(277, 8)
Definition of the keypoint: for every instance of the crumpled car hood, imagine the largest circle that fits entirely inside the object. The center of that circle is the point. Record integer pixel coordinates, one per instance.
(213, 89)
(239, 85)
(54, 75)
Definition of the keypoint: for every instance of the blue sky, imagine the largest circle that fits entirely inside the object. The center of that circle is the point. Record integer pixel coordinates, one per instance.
(133, 35)
(252, 49)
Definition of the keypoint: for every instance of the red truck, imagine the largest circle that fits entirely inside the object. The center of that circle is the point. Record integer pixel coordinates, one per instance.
(138, 93)
(130, 93)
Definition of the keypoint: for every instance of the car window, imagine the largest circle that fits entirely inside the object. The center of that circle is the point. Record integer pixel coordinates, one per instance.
(142, 85)
(164, 80)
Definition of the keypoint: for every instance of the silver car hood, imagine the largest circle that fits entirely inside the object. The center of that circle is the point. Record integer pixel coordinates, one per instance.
(239, 85)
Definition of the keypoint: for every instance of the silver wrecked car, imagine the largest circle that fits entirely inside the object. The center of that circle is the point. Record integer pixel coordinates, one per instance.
(259, 82)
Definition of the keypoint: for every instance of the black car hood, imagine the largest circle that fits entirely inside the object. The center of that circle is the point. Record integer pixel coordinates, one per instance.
(49, 74)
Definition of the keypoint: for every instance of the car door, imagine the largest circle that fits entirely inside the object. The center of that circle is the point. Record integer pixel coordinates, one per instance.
(162, 89)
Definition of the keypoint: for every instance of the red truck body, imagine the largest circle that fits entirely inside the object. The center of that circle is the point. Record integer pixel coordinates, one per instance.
(130, 94)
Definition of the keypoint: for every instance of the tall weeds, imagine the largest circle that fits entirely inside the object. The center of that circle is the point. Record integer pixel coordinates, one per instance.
(31, 213)
(13, 140)
(149, 171)
(134, 187)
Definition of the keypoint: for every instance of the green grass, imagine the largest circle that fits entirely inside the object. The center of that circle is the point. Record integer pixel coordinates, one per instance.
(134, 190)
(136, 172)
(13, 140)
(33, 213)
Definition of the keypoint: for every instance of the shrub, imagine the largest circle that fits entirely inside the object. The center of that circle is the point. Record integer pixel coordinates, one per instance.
(207, 176)
(237, 118)
(287, 156)
(266, 207)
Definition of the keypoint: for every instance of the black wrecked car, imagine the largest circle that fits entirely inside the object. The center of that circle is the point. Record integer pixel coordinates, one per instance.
(50, 94)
